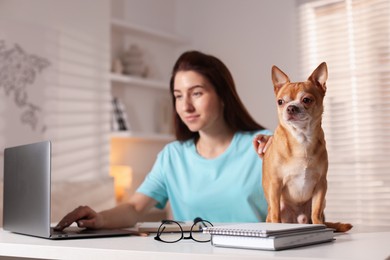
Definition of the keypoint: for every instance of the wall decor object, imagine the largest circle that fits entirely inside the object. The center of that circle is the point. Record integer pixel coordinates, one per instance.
(18, 71)
(119, 116)
(133, 62)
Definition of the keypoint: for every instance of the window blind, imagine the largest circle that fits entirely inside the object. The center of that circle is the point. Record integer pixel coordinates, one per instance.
(54, 86)
(353, 37)
(78, 106)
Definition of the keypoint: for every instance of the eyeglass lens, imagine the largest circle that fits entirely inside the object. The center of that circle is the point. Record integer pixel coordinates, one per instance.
(197, 231)
(168, 231)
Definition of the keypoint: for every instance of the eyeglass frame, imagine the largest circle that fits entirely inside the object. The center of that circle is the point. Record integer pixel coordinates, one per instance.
(167, 221)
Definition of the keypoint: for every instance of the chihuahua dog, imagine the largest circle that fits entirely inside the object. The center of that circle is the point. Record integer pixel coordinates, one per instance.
(296, 162)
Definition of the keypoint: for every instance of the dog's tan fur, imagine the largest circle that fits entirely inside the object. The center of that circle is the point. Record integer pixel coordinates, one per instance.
(296, 163)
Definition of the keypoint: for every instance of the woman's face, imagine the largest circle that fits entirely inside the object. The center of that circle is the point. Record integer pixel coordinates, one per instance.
(197, 103)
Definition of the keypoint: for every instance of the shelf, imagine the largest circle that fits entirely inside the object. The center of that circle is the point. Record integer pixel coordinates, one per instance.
(127, 27)
(143, 136)
(137, 81)
(138, 91)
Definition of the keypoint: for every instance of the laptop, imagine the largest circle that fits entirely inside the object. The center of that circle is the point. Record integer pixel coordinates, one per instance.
(27, 198)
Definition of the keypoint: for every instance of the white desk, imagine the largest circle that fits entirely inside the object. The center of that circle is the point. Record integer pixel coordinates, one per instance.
(358, 244)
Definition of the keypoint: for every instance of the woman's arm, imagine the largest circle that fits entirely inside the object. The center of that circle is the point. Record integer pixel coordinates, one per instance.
(121, 216)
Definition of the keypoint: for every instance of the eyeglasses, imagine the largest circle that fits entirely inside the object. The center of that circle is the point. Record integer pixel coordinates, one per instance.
(166, 235)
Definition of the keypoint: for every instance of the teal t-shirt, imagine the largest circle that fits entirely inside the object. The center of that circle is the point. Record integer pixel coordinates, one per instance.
(224, 189)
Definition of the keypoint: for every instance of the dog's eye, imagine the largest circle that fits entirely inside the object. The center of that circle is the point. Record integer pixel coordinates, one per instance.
(306, 100)
(280, 102)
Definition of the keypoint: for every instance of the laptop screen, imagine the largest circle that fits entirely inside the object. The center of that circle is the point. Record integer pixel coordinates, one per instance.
(26, 199)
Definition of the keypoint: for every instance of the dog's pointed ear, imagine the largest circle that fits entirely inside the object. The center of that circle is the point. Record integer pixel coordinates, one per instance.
(319, 76)
(279, 78)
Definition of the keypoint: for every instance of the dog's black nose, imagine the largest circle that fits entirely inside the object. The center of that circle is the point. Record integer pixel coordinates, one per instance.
(291, 109)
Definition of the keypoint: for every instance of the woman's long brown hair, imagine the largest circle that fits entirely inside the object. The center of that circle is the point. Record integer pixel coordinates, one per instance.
(235, 114)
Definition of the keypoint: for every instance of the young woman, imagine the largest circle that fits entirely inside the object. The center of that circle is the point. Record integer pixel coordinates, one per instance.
(211, 171)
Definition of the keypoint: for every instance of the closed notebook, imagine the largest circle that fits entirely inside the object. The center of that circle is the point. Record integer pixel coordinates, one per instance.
(269, 236)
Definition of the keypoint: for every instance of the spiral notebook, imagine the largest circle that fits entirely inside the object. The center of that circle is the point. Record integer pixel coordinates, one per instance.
(269, 236)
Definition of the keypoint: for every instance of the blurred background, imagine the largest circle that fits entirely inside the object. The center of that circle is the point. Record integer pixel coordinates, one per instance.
(93, 75)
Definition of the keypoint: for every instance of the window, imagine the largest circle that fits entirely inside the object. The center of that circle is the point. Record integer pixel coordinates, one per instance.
(353, 37)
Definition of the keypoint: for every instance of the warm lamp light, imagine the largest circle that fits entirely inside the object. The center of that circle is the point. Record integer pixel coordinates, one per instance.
(123, 176)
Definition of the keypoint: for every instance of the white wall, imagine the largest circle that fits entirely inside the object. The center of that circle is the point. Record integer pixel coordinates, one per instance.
(249, 36)
(159, 15)
(90, 16)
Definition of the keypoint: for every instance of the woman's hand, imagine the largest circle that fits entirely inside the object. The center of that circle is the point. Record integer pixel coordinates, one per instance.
(261, 144)
(84, 216)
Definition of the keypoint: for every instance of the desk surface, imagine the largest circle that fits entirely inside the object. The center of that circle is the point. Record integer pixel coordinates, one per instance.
(360, 243)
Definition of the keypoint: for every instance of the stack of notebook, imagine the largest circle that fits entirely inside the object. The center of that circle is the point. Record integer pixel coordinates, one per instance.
(269, 236)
